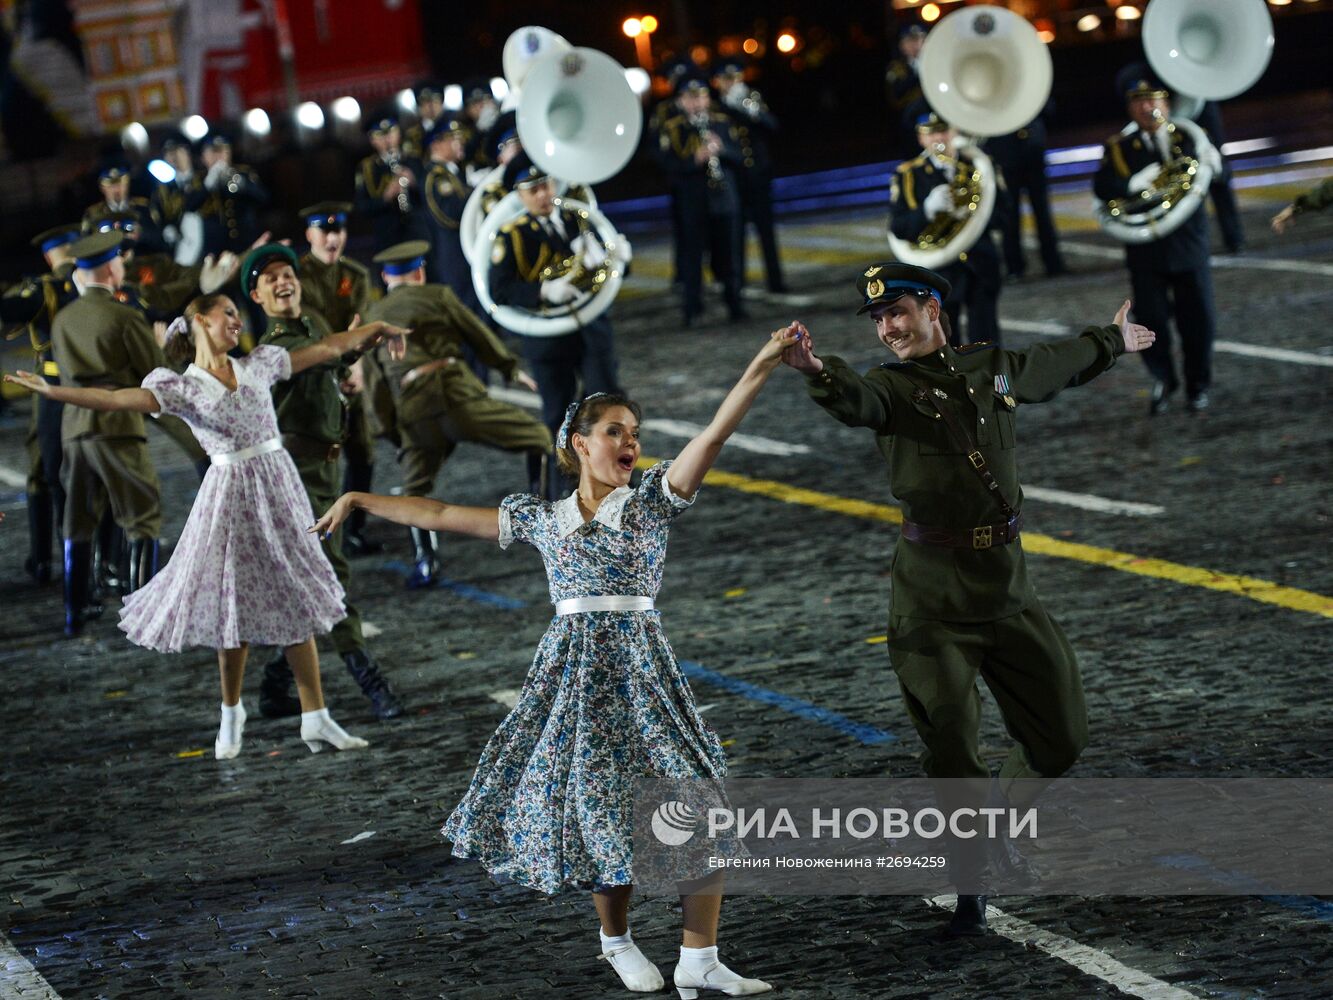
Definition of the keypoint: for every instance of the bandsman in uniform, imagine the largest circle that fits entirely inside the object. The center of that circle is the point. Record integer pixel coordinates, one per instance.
(439, 401)
(114, 182)
(167, 205)
(338, 288)
(755, 127)
(386, 184)
(30, 308)
(697, 149)
(922, 190)
(1020, 158)
(430, 110)
(311, 410)
(962, 606)
(902, 88)
(99, 342)
(480, 112)
(229, 199)
(445, 195)
(538, 238)
(1171, 276)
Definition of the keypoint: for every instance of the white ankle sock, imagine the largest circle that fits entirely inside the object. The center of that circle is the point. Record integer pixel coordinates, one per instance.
(614, 942)
(320, 715)
(635, 970)
(698, 959)
(233, 717)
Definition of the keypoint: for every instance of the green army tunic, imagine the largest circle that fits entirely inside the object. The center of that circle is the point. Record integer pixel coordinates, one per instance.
(1317, 198)
(448, 404)
(956, 613)
(310, 408)
(101, 343)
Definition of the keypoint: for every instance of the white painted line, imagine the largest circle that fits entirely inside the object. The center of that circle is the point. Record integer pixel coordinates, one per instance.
(1088, 960)
(508, 697)
(12, 477)
(1050, 328)
(1089, 502)
(18, 979)
(1234, 261)
(363, 835)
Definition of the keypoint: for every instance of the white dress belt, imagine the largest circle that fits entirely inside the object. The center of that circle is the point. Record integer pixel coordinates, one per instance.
(610, 602)
(234, 457)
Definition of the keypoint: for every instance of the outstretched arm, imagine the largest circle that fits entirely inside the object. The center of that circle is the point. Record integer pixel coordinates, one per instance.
(415, 512)
(697, 457)
(108, 400)
(358, 338)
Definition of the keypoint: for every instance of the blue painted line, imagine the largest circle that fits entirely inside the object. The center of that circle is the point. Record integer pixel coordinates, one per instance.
(464, 590)
(1310, 906)
(803, 709)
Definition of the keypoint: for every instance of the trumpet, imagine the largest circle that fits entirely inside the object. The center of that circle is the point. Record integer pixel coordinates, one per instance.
(701, 125)
(396, 168)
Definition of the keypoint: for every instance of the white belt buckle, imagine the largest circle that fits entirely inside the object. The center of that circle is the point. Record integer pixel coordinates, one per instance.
(608, 602)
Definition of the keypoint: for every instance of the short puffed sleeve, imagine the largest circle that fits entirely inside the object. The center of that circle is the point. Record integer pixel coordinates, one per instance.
(519, 515)
(654, 496)
(171, 391)
(269, 364)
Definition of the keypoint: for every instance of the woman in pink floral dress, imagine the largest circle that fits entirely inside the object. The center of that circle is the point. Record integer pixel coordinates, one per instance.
(245, 569)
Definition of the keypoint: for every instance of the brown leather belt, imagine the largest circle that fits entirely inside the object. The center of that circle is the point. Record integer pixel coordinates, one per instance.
(421, 371)
(301, 446)
(983, 536)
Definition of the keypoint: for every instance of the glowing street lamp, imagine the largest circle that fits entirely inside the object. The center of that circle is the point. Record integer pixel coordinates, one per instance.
(641, 30)
(786, 43)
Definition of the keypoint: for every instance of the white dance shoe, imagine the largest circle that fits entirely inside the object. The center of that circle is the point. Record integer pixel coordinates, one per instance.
(318, 730)
(691, 977)
(637, 973)
(228, 743)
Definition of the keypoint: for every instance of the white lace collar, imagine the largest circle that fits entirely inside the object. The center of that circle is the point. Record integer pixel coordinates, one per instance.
(569, 519)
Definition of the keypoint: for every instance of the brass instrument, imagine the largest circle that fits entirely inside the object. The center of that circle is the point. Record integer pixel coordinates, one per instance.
(394, 161)
(1176, 193)
(702, 125)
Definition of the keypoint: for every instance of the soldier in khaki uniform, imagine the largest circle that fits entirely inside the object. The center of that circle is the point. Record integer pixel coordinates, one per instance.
(311, 411)
(338, 288)
(102, 343)
(962, 605)
(439, 401)
(30, 307)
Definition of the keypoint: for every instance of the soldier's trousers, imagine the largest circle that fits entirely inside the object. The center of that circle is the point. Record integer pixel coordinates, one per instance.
(320, 479)
(1189, 296)
(428, 442)
(757, 210)
(1032, 673)
(97, 470)
(976, 286)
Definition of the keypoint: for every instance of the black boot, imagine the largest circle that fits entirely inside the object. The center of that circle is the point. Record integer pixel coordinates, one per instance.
(276, 699)
(79, 607)
(143, 563)
(373, 684)
(38, 563)
(111, 561)
(425, 557)
(357, 479)
(1006, 862)
(536, 472)
(969, 918)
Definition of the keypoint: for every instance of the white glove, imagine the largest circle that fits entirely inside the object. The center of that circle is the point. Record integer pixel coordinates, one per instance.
(938, 202)
(216, 174)
(623, 252)
(213, 274)
(1142, 181)
(559, 291)
(170, 235)
(1211, 158)
(593, 253)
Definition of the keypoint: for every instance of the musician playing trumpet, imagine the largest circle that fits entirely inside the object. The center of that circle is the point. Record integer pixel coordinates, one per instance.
(385, 185)
(923, 194)
(1170, 275)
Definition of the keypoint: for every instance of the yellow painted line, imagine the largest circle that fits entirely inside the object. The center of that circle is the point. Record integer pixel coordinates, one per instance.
(734, 592)
(191, 753)
(1253, 588)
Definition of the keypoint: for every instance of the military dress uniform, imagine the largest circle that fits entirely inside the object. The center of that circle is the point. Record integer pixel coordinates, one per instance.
(228, 201)
(1170, 275)
(170, 201)
(392, 221)
(439, 401)
(445, 192)
(522, 249)
(902, 89)
(1021, 159)
(706, 204)
(30, 308)
(975, 275)
(962, 605)
(99, 342)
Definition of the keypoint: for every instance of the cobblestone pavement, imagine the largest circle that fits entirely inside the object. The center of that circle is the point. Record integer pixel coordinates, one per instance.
(134, 864)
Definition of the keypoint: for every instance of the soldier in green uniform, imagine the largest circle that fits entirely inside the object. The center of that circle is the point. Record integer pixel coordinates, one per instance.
(31, 307)
(962, 605)
(338, 288)
(439, 401)
(1316, 199)
(102, 343)
(311, 411)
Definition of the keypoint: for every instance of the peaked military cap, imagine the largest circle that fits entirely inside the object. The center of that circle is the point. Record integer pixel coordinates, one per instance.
(326, 214)
(929, 121)
(1137, 80)
(261, 257)
(174, 141)
(217, 140)
(124, 222)
(96, 249)
(912, 30)
(521, 172)
(113, 171)
(690, 80)
(477, 89)
(57, 236)
(503, 132)
(729, 66)
(429, 92)
(402, 258)
(382, 124)
(447, 127)
(880, 284)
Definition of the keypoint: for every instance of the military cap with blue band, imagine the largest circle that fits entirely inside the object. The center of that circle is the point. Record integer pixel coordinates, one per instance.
(113, 171)
(124, 222)
(57, 236)
(402, 258)
(96, 249)
(881, 284)
(521, 172)
(326, 214)
(382, 124)
(447, 127)
(261, 257)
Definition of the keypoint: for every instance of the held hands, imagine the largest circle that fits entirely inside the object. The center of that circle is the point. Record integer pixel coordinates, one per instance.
(333, 517)
(380, 332)
(801, 354)
(779, 342)
(29, 381)
(1137, 338)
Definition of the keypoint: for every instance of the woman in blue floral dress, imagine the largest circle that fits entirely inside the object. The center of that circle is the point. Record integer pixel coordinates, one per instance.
(605, 702)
